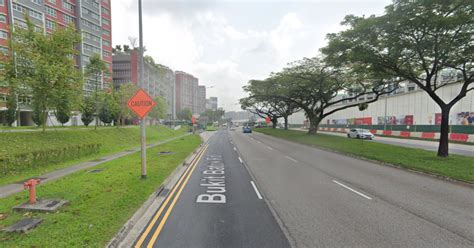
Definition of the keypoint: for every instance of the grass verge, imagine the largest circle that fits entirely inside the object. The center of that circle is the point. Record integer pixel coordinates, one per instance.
(111, 140)
(455, 166)
(100, 203)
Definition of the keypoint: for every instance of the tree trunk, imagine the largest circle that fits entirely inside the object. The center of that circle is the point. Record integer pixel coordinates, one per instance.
(313, 124)
(274, 123)
(443, 148)
(45, 118)
(286, 122)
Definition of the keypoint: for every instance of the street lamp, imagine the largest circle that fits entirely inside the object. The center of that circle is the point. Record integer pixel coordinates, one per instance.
(141, 84)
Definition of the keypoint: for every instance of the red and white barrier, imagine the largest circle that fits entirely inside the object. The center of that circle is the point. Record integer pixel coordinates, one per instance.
(460, 137)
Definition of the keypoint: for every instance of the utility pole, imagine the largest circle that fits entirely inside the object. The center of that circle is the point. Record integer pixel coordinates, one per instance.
(142, 85)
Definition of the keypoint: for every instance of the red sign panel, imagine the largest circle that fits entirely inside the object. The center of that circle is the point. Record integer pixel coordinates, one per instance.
(193, 120)
(141, 103)
(267, 120)
(438, 119)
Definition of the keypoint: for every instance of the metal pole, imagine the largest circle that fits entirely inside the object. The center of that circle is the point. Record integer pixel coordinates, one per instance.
(141, 82)
(385, 118)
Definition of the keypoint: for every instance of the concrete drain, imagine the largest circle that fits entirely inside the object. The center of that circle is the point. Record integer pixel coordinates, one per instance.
(47, 205)
(23, 225)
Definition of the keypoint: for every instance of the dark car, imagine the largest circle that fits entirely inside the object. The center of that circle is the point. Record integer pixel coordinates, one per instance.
(247, 129)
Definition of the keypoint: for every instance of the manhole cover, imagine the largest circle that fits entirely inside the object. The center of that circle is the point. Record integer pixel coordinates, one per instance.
(26, 180)
(96, 171)
(165, 153)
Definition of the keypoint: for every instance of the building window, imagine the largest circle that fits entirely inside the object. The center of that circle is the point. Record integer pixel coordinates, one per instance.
(105, 11)
(39, 2)
(3, 18)
(105, 22)
(67, 6)
(2, 2)
(50, 11)
(35, 14)
(68, 18)
(3, 34)
(52, 1)
(3, 50)
(51, 25)
(18, 8)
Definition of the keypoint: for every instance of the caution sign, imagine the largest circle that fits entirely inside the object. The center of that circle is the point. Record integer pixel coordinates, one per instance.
(141, 103)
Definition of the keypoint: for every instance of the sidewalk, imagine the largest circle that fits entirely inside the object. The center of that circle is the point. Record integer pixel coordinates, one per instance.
(9, 189)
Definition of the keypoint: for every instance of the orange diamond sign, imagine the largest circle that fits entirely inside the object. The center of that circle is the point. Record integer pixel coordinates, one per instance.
(141, 103)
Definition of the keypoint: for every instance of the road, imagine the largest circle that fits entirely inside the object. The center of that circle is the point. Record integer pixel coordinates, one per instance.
(280, 194)
(460, 149)
(330, 200)
(216, 204)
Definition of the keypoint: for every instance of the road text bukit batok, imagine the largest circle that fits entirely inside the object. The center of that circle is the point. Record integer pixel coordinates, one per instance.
(213, 179)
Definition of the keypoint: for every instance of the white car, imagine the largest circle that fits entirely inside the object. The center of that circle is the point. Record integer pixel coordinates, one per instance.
(360, 134)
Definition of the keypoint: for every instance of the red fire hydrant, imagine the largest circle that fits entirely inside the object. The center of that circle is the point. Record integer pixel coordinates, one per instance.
(31, 186)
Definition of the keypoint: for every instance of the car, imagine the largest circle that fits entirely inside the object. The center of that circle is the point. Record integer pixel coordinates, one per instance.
(247, 129)
(360, 134)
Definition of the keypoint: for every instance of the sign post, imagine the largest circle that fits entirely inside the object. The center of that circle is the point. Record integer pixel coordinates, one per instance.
(141, 103)
(193, 120)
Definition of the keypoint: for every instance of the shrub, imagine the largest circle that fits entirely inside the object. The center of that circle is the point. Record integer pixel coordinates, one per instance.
(15, 163)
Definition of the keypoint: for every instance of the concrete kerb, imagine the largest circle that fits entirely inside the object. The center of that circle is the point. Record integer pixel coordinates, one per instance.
(137, 223)
(445, 178)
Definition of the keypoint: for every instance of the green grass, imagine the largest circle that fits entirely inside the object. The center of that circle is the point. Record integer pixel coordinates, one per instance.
(100, 203)
(455, 166)
(112, 140)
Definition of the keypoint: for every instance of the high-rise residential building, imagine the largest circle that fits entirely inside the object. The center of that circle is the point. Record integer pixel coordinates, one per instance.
(92, 18)
(186, 92)
(158, 80)
(201, 99)
(212, 104)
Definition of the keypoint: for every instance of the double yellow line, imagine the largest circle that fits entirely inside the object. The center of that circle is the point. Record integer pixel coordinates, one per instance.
(178, 187)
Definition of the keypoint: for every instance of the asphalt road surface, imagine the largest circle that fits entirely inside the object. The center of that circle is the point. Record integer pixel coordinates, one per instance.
(215, 204)
(330, 200)
(454, 148)
(254, 190)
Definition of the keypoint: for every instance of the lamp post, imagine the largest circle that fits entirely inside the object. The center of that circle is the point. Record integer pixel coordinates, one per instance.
(141, 84)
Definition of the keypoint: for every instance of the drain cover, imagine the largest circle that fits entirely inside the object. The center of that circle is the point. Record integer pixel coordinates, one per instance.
(165, 153)
(23, 225)
(96, 171)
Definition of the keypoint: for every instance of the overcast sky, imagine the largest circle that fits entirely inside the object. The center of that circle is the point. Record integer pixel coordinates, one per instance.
(226, 43)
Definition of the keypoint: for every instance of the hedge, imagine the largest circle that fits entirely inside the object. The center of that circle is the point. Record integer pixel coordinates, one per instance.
(18, 162)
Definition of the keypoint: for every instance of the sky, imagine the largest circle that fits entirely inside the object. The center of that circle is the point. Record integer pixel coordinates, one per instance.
(226, 43)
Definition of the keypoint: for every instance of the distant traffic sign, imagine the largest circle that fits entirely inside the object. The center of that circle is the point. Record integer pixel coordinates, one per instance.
(267, 120)
(193, 120)
(141, 103)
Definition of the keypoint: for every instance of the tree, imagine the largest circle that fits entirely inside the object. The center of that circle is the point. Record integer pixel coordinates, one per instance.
(12, 105)
(184, 114)
(88, 109)
(265, 99)
(122, 96)
(415, 41)
(320, 89)
(160, 111)
(212, 116)
(63, 113)
(95, 70)
(45, 63)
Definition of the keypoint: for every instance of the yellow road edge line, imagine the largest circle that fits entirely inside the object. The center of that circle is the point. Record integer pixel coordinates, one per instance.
(157, 215)
(168, 212)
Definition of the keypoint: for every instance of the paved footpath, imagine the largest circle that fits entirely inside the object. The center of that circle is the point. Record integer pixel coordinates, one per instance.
(9, 189)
